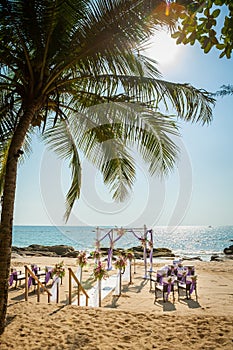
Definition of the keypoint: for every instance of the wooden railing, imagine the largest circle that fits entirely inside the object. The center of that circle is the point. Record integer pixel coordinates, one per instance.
(28, 273)
(80, 288)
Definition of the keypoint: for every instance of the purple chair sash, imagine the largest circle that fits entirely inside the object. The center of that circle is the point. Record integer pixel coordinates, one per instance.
(159, 278)
(169, 288)
(34, 270)
(182, 277)
(48, 276)
(190, 272)
(193, 286)
(11, 278)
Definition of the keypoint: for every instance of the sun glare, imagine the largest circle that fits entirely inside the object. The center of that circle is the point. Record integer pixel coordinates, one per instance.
(163, 49)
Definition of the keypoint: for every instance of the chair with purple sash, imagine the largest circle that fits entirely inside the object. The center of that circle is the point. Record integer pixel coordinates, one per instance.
(165, 286)
(189, 285)
(38, 273)
(172, 271)
(190, 270)
(160, 275)
(31, 280)
(16, 276)
(181, 273)
(156, 277)
(48, 275)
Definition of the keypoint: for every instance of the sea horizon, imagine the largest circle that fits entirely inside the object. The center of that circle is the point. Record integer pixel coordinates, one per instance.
(185, 241)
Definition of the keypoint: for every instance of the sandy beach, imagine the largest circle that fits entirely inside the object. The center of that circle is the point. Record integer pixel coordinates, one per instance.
(131, 321)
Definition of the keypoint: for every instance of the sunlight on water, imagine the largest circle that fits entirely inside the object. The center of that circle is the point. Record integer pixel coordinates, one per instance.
(190, 241)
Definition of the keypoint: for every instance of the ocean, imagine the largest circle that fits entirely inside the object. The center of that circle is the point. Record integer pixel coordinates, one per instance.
(184, 241)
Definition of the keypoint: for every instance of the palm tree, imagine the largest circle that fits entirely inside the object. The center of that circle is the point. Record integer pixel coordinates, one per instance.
(73, 71)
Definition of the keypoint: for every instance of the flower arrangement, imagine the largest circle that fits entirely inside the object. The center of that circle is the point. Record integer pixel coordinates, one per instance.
(82, 259)
(120, 263)
(96, 254)
(99, 272)
(58, 270)
(129, 255)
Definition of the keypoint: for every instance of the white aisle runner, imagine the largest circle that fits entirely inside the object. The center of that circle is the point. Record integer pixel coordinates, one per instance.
(106, 287)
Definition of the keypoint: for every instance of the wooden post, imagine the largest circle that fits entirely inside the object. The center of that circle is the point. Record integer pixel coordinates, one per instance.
(26, 283)
(120, 282)
(99, 291)
(145, 252)
(151, 250)
(70, 287)
(130, 272)
(78, 294)
(38, 292)
(58, 285)
(81, 273)
(134, 266)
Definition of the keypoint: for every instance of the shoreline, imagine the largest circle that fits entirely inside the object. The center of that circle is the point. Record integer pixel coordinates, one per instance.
(159, 254)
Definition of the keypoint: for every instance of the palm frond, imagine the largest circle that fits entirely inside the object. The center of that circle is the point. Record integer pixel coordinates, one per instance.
(105, 133)
(60, 139)
(134, 125)
(225, 90)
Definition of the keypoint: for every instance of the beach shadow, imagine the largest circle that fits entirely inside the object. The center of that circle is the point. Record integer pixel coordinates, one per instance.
(14, 289)
(19, 297)
(166, 306)
(113, 304)
(14, 303)
(9, 319)
(134, 288)
(88, 284)
(58, 309)
(191, 303)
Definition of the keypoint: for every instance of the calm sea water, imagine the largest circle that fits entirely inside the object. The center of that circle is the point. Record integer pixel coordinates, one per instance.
(190, 241)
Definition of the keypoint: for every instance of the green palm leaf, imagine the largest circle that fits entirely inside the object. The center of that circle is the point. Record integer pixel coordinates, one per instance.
(60, 140)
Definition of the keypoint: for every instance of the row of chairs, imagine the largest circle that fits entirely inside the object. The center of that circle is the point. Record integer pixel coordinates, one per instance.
(170, 279)
(18, 276)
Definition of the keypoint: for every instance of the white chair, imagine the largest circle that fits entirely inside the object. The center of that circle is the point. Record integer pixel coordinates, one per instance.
(165, 287)
(189, 285)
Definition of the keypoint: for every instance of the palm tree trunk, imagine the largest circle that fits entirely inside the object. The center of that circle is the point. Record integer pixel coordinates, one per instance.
(8, 209)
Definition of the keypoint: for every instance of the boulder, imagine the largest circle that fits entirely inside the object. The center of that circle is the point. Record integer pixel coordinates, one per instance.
(40, 250)
(71, 254)
(229, 250)
(192, 258)
(138, 252)
(215, 257)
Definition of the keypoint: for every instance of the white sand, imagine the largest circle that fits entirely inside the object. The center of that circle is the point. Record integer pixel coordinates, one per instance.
(131, 321)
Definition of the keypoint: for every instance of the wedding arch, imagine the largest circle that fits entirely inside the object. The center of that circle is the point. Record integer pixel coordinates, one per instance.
(115, 234)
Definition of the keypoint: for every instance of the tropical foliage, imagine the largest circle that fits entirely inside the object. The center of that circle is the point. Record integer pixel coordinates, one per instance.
(225, 90)
(82, 259)
(201, 20)
(99, 272)
(120, 263)
(59, 270)
(73, 71)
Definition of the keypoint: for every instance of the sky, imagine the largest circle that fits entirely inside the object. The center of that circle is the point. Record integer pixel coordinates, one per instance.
(199, 190)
